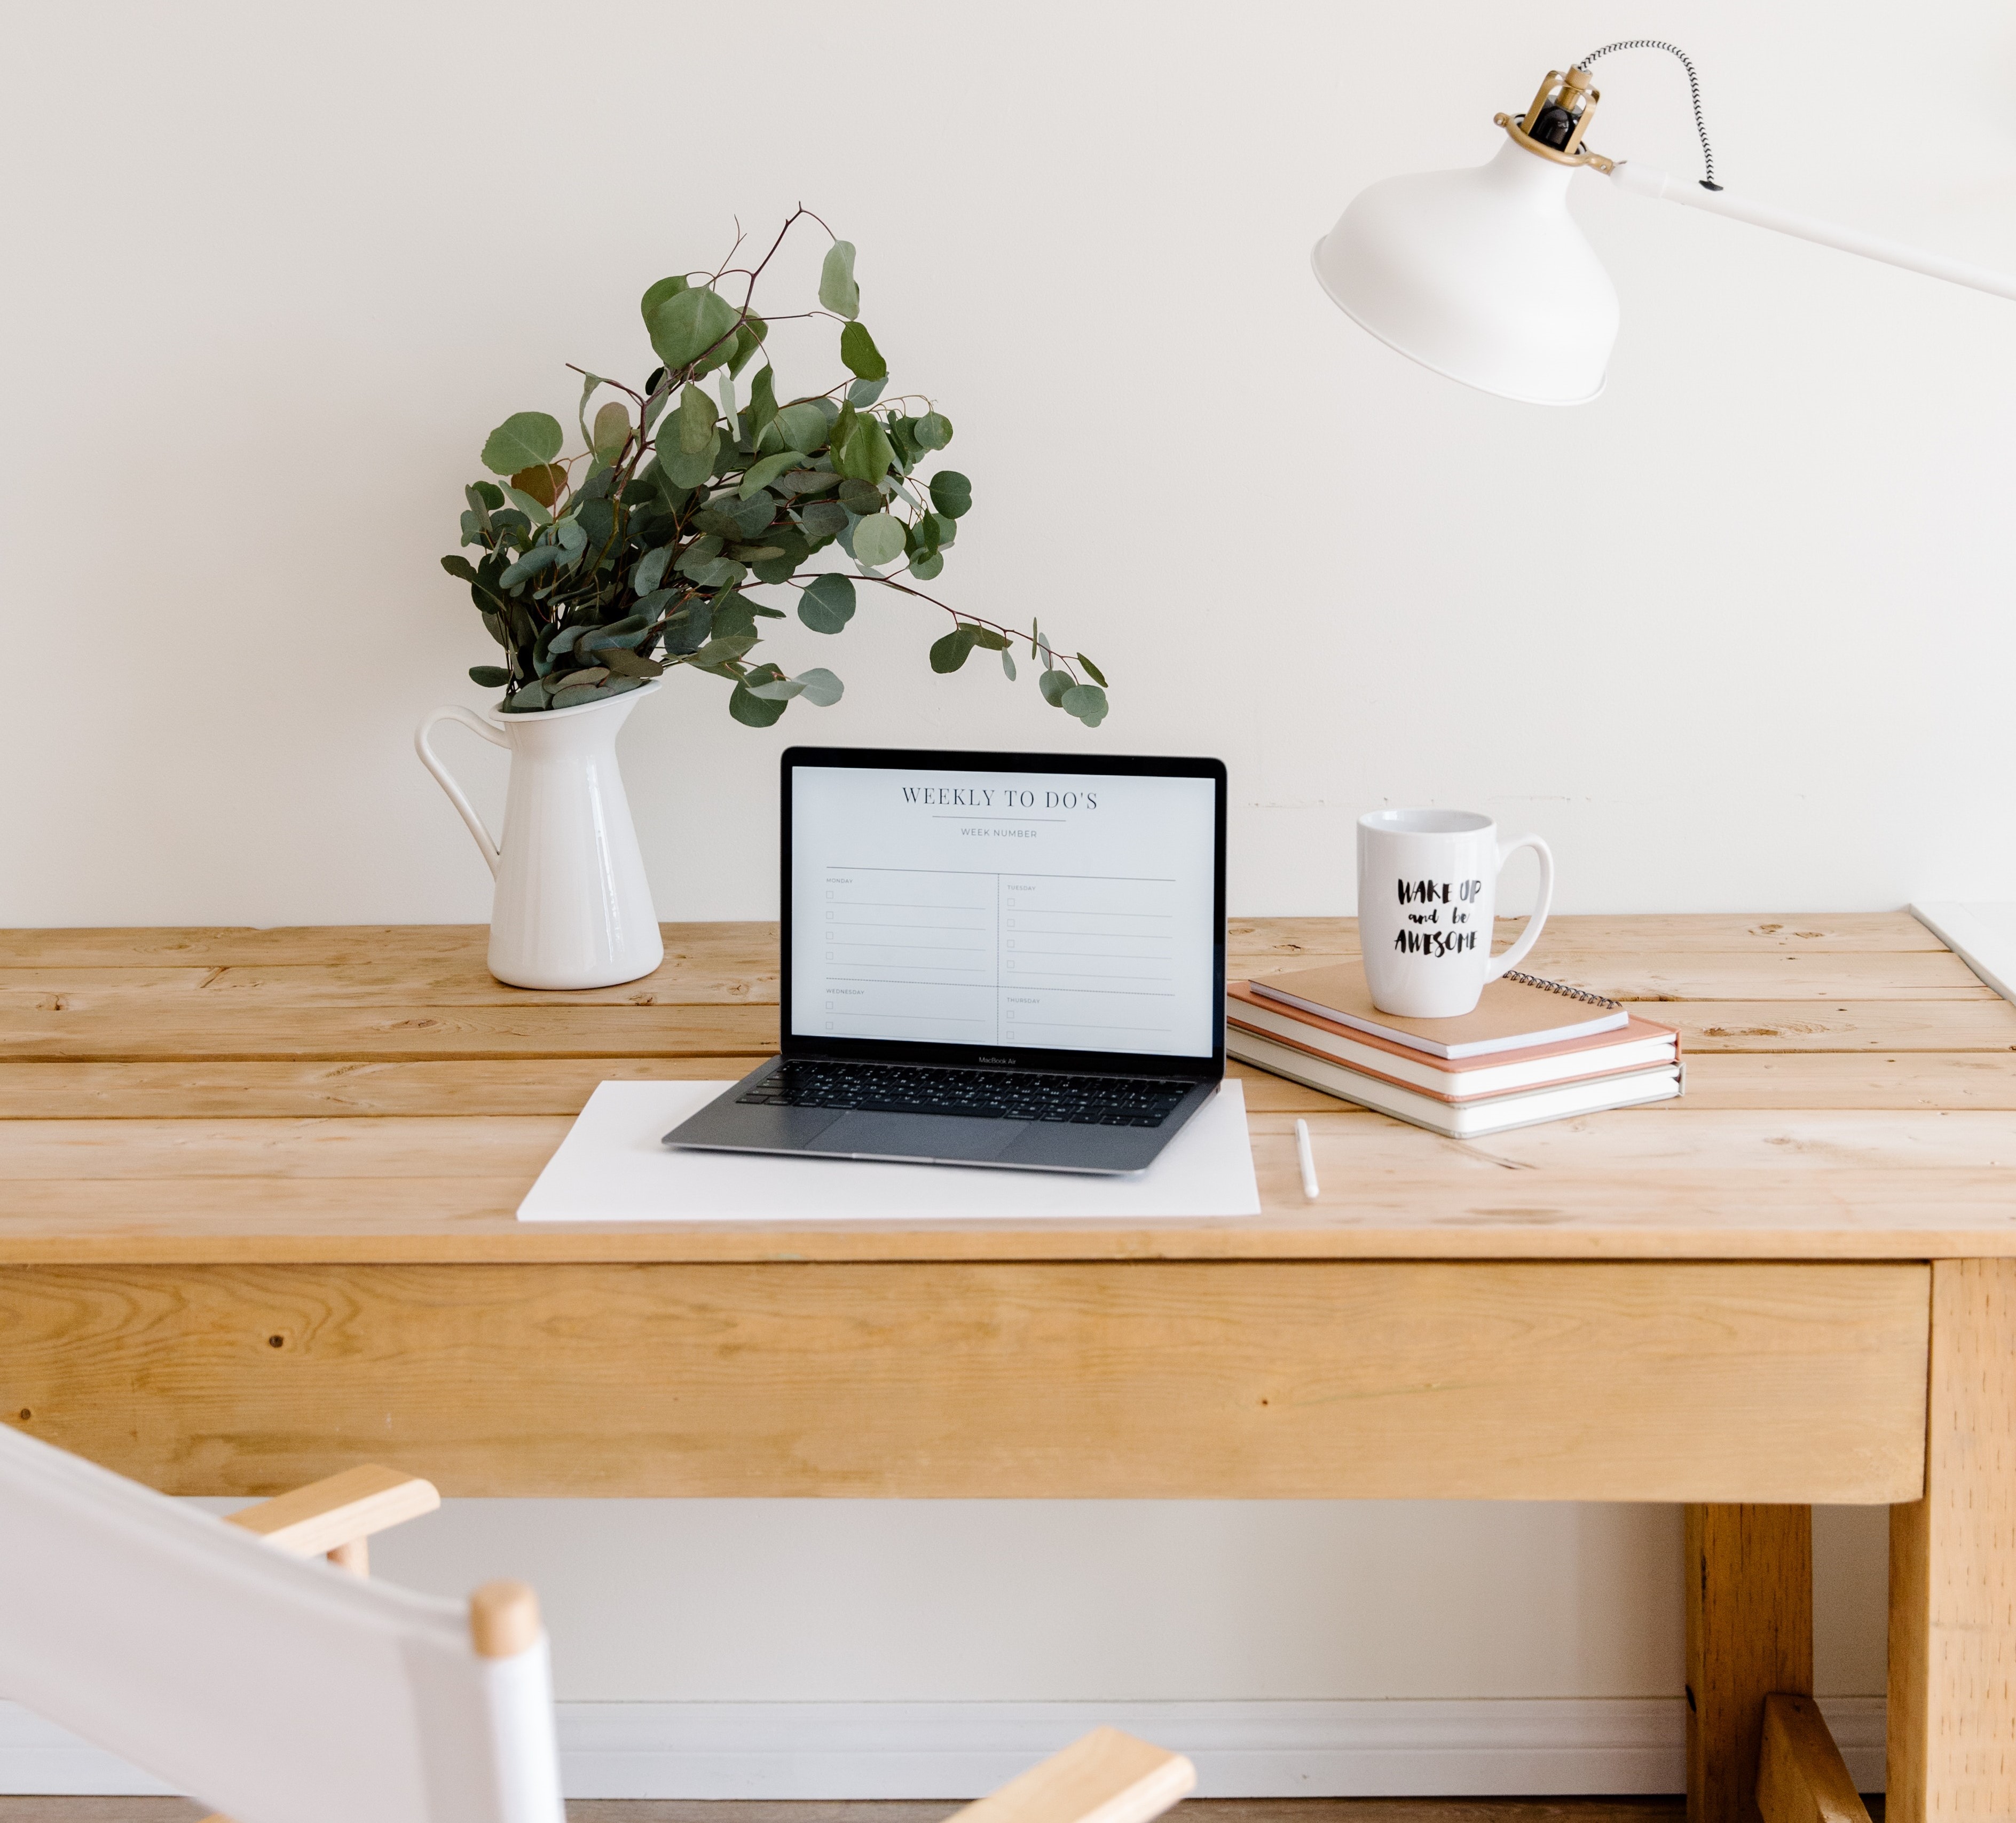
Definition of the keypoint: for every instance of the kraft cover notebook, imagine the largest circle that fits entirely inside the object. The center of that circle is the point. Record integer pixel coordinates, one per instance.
(1639, 1044)
(1517, 1012)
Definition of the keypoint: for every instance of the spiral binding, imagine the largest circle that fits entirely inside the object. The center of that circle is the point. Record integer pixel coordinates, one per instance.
(1526, 980)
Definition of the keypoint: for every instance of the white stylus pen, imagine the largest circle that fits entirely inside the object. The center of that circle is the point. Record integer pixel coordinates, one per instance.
(1305, 1156)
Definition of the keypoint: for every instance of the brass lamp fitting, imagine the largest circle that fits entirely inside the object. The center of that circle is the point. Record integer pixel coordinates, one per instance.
(1553, 126)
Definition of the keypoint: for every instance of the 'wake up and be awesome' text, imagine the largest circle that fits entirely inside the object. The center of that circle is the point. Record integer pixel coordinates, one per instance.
(1424, 934)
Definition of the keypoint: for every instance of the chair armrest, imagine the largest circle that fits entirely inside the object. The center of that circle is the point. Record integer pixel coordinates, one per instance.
(1107, 1777)
(326, 1515)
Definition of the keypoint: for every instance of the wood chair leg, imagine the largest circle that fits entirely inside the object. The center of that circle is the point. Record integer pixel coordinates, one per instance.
(1801, 1775)
(1952, 1749)
(1750, 1633)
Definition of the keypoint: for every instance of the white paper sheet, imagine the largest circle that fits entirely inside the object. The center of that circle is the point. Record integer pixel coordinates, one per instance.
(613, 1167)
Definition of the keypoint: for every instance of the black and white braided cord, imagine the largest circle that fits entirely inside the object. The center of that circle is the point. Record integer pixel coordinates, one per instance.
(1693, 85)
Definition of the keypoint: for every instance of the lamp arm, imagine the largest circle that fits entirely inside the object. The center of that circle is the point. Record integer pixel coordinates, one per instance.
(1644, 180)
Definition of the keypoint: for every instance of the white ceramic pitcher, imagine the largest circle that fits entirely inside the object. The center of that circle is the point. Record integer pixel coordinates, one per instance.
(572, 909)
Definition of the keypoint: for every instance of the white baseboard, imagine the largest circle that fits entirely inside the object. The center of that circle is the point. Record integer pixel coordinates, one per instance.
(1982, 933)
(953, 1750)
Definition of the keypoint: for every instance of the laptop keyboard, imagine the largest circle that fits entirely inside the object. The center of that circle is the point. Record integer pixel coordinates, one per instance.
(1095, 1100)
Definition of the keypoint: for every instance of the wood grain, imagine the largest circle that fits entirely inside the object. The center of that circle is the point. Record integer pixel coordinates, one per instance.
(176, 1030)
(1952, 1565)
(1801, 1775)
(740, 974)
(1749, 1632)
(265, 1089)
(1154, 1380)
(293, 1095)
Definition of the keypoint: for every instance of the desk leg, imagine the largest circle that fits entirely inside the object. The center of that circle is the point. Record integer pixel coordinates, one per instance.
(1952, 1749)
(1750, 1632)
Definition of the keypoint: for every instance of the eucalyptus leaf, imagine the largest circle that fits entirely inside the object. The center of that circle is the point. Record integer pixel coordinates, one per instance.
(837, 290)
(748, 708)
(689, 471)
(863, 359)
(824, 519)
(650, 570)
(860, 446)
(533, 697)
(492, 677)
(951, 493)
(761, 474)
(1008, 663)
(627, 664)
(949, 653)
(803, 425)
(541, 557)
(534, 511)
(689, 630)
(1091, 670)
(777, 690)
(664, 288)
(1087, 702)
(522, 440)
(932, 431)
(542, 481)
(762, 399)
(724, 650)
(460, 568)
(827, 604)
(822, 688)
(928, 569)
(878, 540)
(864, 392)
(612, 430)
(696, 421)
(1053, 684)
(688, 324)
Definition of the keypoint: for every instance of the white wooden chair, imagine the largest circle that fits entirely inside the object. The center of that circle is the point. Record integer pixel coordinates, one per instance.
(283, 1690)
(279, 1690)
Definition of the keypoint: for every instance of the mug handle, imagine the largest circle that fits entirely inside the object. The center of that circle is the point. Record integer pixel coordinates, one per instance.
(484, 840)
(1517, 954)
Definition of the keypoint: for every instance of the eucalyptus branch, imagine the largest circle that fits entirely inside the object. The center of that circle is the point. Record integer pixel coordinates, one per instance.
(699, 520)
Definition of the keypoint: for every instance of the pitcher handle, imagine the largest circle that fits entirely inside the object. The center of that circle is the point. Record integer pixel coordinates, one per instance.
(484, 840)
(1517, 954)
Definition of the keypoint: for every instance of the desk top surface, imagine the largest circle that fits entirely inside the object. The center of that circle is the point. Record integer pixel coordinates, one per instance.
(369, 1093)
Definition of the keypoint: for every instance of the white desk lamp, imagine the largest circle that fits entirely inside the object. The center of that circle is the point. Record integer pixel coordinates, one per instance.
(1483, 275)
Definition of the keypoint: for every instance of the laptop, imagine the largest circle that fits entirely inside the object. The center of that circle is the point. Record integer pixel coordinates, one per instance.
(1014, 960)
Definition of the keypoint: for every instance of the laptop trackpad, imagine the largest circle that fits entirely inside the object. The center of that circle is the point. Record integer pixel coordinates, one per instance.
(920, 1136)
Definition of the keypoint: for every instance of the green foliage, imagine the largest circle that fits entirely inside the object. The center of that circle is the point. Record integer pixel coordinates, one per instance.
(863, 358)
(598, 571)
(522, 440)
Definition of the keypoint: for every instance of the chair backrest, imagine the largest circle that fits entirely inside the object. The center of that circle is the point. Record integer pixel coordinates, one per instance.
(275, 1688)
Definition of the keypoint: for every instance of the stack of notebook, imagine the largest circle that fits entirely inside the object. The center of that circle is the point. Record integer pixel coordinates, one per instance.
(1532, 1051)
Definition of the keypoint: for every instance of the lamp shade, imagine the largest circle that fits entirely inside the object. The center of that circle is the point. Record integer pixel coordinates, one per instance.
(1481, 274)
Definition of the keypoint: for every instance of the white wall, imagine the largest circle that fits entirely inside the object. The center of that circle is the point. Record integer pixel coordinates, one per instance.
(1738, 637)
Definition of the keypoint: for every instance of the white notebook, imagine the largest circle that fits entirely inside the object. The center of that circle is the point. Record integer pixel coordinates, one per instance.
(613, 1167)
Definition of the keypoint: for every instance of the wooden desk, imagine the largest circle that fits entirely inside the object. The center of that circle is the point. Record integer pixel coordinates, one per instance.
(259, 1189)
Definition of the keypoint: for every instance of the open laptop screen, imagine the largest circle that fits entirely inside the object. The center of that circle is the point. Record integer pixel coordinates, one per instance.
(1006, 906)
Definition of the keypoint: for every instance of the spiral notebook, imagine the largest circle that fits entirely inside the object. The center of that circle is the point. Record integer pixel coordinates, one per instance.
(1516, 1011)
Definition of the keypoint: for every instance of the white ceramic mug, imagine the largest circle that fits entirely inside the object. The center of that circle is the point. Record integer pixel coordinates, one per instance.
(1427, 886)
